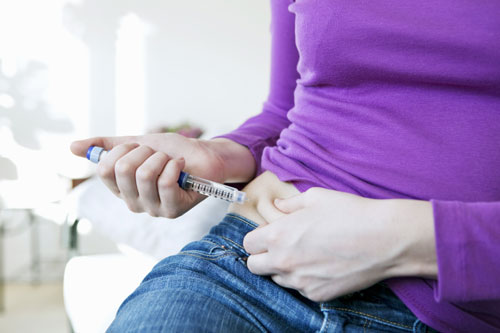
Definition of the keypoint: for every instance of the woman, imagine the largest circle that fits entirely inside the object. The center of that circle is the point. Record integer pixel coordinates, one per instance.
(377, 196)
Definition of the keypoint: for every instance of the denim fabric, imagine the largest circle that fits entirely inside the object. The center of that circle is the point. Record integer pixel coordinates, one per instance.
(208, 288)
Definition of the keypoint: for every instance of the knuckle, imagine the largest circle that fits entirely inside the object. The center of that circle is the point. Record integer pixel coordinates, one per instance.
(145, 174)
(116, 193)
(152, 212)
(123, 168)
(273, 238)
(161, 155)
(170, 212)
(133, 207)
(166, 182)
(146, 149)
(125, 146)
(284, 264)
(105, 172)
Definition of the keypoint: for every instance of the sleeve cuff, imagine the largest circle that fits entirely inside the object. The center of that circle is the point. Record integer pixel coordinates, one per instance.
(256, 145)
(448, 217)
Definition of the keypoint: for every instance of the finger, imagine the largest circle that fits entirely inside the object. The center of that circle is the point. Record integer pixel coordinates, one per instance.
(106, 166)
(282, 280)
(291, 204)
(147, 179)
(80, 147)
(125, 170)
(271, 213)
(170, 193)
(260, 264)
(256, 241)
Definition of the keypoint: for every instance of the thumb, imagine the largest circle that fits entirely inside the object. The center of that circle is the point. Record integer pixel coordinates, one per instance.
(291, 204)
(80, 147)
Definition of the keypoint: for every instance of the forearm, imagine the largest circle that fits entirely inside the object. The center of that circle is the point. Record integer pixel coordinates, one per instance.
(411, 226)
(238, 162)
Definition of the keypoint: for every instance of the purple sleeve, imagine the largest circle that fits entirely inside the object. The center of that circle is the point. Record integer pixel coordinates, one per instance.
(468, 250)
(264, 129)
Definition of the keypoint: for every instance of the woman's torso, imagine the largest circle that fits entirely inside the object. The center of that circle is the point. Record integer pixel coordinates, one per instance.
(261, 193)
(396, 99)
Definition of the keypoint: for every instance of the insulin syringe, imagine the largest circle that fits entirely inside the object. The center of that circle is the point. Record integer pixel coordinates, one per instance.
(188, 182)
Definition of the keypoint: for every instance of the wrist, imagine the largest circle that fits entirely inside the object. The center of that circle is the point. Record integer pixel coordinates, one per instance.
(411, 224)
(237, 161)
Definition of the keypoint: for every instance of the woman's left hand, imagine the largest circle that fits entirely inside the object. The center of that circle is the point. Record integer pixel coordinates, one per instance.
(329, 243)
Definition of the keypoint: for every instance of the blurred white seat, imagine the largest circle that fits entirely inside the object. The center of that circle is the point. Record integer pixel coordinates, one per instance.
(157, 237)
(95, 286)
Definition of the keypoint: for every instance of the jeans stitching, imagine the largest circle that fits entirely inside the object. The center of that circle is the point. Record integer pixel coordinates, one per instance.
(326, 324)
(369, 316)
(211, 258)
(209, 241)
(233, 242)
(242, 219)
(203, 251)
(227, 240)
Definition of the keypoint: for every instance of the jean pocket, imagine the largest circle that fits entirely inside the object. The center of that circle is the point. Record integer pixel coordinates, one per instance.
(206, 249)
(350, 320)
(361, 311)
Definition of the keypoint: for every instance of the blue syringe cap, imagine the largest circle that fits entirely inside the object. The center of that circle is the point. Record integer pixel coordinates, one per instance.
(182, 179)
(94, 153)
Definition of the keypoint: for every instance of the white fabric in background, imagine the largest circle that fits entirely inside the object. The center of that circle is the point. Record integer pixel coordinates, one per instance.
(158, 237)
(95, 287)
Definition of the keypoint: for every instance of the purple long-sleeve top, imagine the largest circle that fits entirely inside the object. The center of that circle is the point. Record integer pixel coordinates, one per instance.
(397, 99)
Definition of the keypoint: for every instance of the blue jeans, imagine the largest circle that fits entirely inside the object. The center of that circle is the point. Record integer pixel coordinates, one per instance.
(208, 288)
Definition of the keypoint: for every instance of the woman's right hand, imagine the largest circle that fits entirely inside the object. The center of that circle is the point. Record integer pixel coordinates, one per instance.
(143, 170)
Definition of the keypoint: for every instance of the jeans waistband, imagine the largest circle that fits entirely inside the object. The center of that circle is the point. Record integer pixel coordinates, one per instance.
(231, 231)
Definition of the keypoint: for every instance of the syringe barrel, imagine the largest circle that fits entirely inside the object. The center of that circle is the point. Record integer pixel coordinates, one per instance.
(210, 188)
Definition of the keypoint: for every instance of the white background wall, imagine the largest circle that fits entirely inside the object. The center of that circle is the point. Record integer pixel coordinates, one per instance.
(72, 69)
